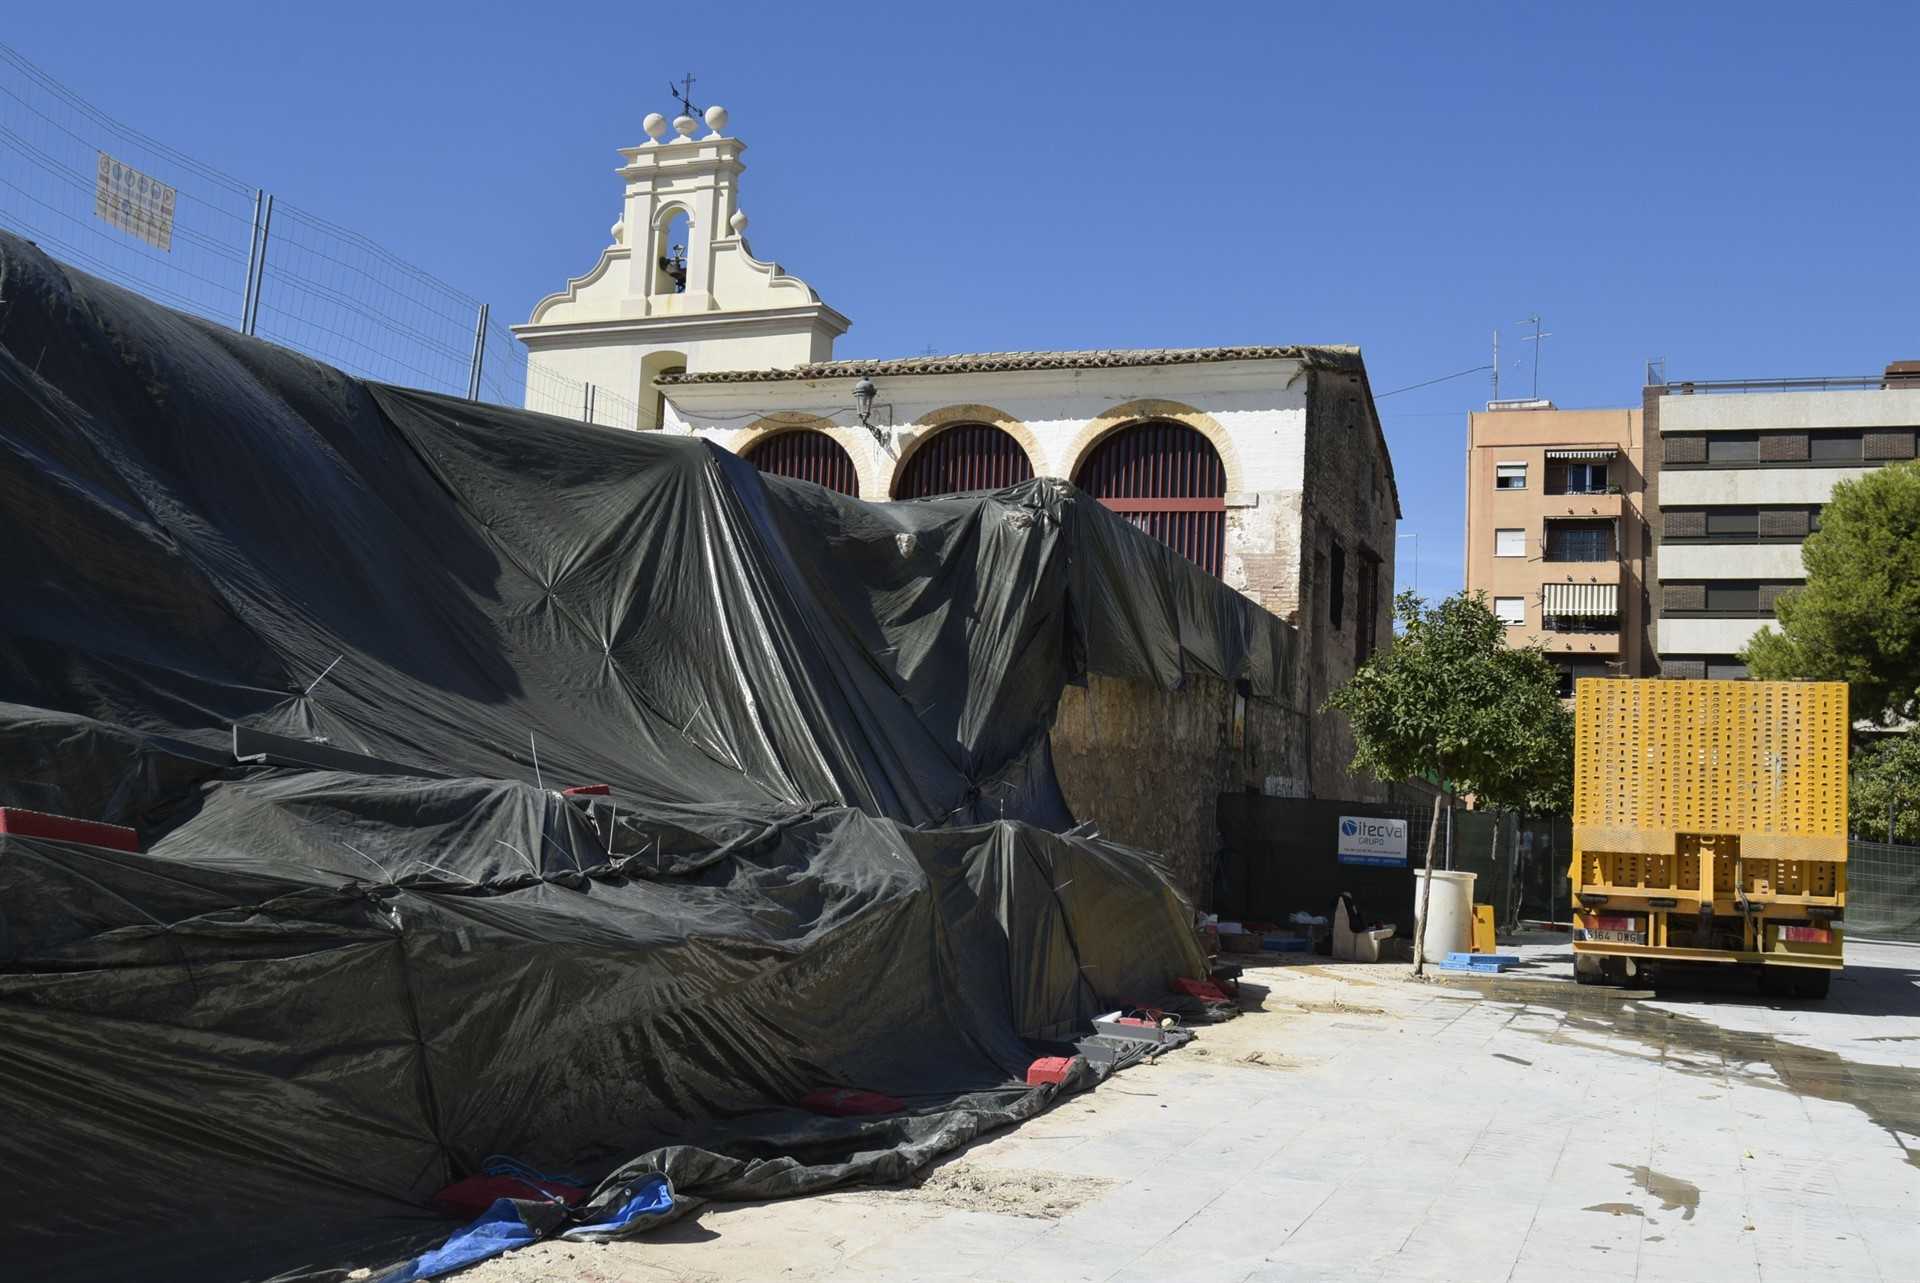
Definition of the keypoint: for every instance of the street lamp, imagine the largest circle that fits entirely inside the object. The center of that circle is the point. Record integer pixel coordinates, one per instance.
(863, 395)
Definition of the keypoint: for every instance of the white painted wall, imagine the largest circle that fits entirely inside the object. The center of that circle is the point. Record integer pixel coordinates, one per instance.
(1731, 561)
(1746, 412)
(1687, 487)
(1261, 405)
(1259, 409)
(1707, 636)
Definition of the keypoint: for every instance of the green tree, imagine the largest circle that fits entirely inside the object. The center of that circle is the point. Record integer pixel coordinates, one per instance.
(1450, 699)
(1883, 785)
(1857, 619)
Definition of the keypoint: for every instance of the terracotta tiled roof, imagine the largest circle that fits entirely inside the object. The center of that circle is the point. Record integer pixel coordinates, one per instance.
(1326, 356)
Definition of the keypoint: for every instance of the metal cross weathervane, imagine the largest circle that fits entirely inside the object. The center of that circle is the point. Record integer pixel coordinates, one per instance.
(683, 92)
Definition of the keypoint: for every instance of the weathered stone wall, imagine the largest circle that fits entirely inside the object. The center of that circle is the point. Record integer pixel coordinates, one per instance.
(1147, 766)
(1348, 515)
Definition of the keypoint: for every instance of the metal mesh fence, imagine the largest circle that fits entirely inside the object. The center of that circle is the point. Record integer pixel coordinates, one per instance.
(1883, 891)
(108, 199)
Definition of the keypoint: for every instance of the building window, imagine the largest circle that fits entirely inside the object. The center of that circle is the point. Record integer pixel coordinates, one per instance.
(1509, 476)
(1337, 585)
(1733, 447)
(1366, 627)
(1581, 623)
(1509, 543)
(1726, 671)
(1576, 478)
(1580, 540)
(1834, 447)
(1734, 596)
(1510, 610)
(1733, 523)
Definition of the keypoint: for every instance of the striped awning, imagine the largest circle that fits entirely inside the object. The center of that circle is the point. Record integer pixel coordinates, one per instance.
(1589, 452)
(1580, 599)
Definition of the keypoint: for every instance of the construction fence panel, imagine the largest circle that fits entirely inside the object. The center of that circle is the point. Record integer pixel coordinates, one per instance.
(103, 197)
(1883, 891)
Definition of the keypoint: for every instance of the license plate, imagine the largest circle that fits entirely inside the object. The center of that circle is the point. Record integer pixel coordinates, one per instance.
(1611, 936)
(1807, 935)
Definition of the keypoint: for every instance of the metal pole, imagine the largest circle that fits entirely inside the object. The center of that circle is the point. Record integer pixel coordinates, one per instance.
(586, 397)
(253, 257)
(1443, 785)
(252, 320)
(479, 354)
(1496, 365)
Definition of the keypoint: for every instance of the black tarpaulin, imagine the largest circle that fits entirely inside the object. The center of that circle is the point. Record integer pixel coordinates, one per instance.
(832, 854)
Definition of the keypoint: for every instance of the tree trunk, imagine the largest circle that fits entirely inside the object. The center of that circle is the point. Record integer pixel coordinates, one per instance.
(1493, 865)
(1426, 888)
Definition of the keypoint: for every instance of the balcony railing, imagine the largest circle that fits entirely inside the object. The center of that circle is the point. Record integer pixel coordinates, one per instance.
(1687, 387)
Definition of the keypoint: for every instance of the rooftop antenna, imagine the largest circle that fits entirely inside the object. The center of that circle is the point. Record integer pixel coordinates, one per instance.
(683, 92)
(1656, 371)
(1534, 338)
(1496, 365)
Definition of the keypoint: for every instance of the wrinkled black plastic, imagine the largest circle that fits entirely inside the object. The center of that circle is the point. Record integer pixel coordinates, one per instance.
(260, 1045)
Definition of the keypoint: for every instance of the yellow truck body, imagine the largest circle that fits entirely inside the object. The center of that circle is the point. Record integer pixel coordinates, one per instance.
(1709, 825)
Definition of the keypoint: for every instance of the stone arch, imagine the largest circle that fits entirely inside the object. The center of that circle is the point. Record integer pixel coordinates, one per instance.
(1167, 479)
(1125, 415)
(857, 442)
(659, 236)
(929, 427)
(653, 400)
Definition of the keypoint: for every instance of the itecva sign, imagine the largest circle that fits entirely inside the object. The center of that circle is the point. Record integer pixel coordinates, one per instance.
(1368, 839)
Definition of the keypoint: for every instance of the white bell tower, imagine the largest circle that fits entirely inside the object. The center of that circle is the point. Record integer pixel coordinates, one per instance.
(678, 290)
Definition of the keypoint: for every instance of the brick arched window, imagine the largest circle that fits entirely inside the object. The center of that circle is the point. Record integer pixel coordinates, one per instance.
(1167, 479)
(966, 456)
(805, 455)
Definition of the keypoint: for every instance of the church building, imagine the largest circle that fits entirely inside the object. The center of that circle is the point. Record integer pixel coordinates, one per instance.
(1265, 465)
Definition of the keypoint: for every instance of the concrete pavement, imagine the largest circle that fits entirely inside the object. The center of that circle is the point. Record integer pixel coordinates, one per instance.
(1359, 1125)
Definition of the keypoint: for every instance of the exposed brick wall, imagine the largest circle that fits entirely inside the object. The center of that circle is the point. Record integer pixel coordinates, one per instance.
(1683, 449)
(1770, 595)
(1686, 525)
(1783, 523)
(1684, 597)
(1783, 447)
(1888, 445)
(1147, 766)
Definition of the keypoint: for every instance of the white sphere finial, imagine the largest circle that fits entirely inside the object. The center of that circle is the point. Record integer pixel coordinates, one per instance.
(738, 222)
(619, 230)
(656, 126)
(685, 125)
(716, 119)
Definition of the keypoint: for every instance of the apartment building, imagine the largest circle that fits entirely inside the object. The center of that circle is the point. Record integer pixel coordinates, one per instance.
(1557, 533)
(1741, 471)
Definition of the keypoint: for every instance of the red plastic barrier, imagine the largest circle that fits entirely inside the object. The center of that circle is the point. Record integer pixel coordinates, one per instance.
(846, 1102)
(64, 828)
(1050, 1069)
(587, 790)
(1205, 990)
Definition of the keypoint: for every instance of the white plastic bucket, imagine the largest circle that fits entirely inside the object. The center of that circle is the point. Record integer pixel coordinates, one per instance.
(1449, 914)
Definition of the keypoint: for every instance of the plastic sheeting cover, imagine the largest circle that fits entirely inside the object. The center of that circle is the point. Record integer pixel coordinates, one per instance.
(257, 1047)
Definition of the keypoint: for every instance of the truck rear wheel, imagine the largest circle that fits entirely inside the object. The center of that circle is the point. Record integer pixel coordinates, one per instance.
(1586, 970)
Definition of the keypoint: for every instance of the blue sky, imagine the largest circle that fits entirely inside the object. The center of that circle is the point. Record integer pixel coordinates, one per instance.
(1732, 187)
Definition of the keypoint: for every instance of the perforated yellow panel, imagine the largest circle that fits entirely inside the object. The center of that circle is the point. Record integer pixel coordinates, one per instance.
(1761, 758)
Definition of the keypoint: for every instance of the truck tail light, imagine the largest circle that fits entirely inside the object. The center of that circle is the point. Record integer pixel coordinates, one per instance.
(1807, 935)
